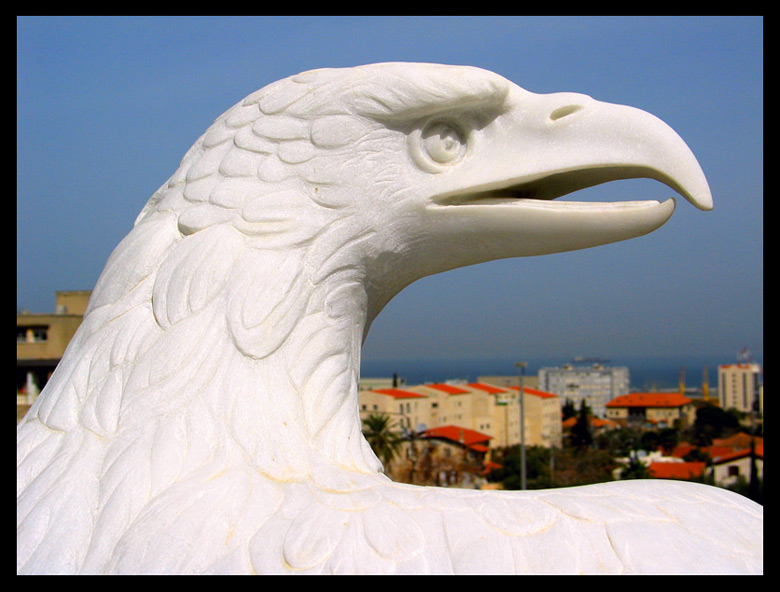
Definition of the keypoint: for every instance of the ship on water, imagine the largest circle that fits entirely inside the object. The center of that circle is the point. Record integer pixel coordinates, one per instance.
(588, 360)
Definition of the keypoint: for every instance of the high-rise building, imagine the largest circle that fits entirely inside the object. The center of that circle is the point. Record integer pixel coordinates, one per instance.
(740, 386)
(596, 384)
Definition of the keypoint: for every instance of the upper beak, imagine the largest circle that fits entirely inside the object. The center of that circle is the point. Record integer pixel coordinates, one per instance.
(546, 146)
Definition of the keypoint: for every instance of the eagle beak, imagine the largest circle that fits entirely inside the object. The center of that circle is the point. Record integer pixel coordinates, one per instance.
(547, 146)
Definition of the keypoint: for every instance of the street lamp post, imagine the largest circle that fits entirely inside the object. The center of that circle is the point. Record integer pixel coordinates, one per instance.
(521, 366)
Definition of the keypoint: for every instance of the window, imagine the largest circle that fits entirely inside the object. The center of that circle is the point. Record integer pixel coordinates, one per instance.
(31, 334)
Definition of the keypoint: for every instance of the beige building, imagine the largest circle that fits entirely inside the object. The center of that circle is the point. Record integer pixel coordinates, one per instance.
(655, 408)
(542, 411)
(543, 419)
(458, 405)
(41, 339)
(408, 410)
(740, 387)
(479, 406)
(505, 413)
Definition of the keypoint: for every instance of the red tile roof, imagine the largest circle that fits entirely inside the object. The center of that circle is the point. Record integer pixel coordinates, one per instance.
(676, 470)
(595, 422)
(724, 450)
(736, 454)
(682, 449)
(491, 466)
(458, 434)
(650, 400)
(448, 388)
(399, 393)
(488, 388)
(598, 422)
(535, 392)
(738, 440)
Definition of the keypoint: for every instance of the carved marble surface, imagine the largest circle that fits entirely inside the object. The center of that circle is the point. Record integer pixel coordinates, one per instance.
(204, 418)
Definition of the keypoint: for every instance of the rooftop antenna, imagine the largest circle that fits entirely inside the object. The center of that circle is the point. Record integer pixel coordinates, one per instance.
(743, 356)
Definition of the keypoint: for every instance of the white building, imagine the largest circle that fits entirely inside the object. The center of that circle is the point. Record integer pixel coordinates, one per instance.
(597, 385)
(740, 386)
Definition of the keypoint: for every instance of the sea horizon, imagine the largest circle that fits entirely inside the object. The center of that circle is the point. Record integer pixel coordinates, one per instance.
(646, 373)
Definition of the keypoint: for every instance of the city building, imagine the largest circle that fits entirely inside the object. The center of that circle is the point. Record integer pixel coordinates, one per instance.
(728, 467)
(408, 410)
(505, 417)
(41, 339)
(449, 455)
(740, 387)
(477, 406)
(596, 384)
(459, 405)
(657, 409)
(507, 380)
(543, 421)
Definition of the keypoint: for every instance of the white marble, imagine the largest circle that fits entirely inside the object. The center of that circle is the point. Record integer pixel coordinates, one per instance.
(204, 418)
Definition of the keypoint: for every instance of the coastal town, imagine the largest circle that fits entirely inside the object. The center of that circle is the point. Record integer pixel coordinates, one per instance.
(568, 425)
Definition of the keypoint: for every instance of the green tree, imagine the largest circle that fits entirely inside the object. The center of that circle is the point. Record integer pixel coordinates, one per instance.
(572, 468)
(568, 410)
(619, 442)
(668, 438)
(537, 468)
(649, 441)
(635, 469)
(582, 467)
(384, 442)
(581, 436)
(713, 422)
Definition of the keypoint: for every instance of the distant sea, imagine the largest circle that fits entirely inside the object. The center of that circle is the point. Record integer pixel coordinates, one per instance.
(646, 374)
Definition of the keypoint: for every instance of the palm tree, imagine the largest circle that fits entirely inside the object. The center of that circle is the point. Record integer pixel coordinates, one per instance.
(384, 442)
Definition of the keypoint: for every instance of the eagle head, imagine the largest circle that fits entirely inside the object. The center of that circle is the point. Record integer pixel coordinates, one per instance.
(398, 171)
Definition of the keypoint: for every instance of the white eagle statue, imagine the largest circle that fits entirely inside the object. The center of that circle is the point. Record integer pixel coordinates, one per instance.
(204, 418)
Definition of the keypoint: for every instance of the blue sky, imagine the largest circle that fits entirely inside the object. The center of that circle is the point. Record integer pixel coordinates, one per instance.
(106, 108)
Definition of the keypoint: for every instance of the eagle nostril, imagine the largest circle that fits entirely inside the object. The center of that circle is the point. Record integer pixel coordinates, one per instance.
(562, 112)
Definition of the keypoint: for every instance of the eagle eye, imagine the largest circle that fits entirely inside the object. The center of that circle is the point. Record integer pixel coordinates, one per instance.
(438, 145)
(442, 143)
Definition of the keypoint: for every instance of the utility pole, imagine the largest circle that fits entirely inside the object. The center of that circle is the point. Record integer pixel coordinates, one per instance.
(521, 366)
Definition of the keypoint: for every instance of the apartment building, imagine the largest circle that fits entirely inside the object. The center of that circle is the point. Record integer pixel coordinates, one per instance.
(596, 384)
(456, 404)
(479, 406)
(505, 413)
(409, 411)
(543, 420)
(41, 339)
(740, 386)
